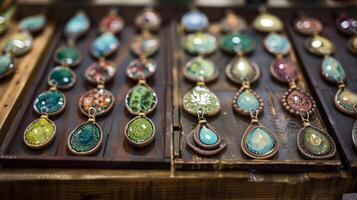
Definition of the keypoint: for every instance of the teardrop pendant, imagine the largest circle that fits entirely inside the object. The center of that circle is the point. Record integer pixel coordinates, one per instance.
(345, 100)
(141, 96)
(245, 100)
(332, 70)
(40, 133)
(77, 25)
(241, 69)
(86, 138)
(104, 45)
(140, 131)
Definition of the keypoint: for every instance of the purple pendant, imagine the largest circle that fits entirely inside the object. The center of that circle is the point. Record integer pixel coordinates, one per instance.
(347, 24)
(284, 70)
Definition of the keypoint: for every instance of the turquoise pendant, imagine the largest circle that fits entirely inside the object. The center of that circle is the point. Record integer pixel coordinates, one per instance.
(332, 70)
(259, 142)
(33, 23)
(18, 44)
(200, 43)
(345, 100)
(7, 66)
(104, 45)
(64, 77)
(245, 100)
(53, 101)
(237, 43)
(277, 44)
(77, 25)
(194, 20)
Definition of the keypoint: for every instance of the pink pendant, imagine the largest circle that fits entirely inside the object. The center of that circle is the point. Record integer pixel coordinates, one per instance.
(112, 23)
(101, 70)
(284, 70)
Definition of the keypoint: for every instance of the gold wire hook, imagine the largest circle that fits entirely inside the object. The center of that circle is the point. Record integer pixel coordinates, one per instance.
(92, 112)
(305, 117)
(254, 114)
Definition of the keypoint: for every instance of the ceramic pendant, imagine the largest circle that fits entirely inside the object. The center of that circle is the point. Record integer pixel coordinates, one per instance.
(345, 100)
(102, 70)
(314, 143)
(140, 131)
(241, 69)
(347, 24)
(64, 77)
(7, 66)
(33, 24)
(277, 44)
(284, 70)
(200, 97)
(112, 23)
(296, 101)
(67, 56)
(332, 70)
(194, 20)
(40, 133)
(145, 44)
(141, 99)
(148, 19)
(105, 45)
(53, 100)
(98, 98)
(205, 140)
(319, 45)
(237, 43)
(3, 24)
(354, 135)
(266, 22)
(245, 100)
(352, 44)
(86, 138)
(233, 23)
(200, 43)
(18, 44)
(77, 25)
(199, 68)
(259, 142)
(308, 25)
(141, 68)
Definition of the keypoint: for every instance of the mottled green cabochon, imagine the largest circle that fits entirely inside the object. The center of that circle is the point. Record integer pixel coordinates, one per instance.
(200, 43)
(201, 99)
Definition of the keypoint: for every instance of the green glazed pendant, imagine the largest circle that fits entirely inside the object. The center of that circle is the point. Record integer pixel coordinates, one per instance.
(241, 69)
(332, 70)
(40, 133)
(64, 77)
(199, 68)
(200, 43)
(140, 131)
(53, 100)
(313, 143)
(200, 98)
(141, 98)
(7, 66)
(67, 56)
(266, 22)
(237, 43)
(246, 100)
(18, 44)
(345, 100)
(319, 45)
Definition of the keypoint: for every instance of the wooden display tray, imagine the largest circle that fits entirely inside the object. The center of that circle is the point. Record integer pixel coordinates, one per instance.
(231, 125)
(339, 123)
(115, 151)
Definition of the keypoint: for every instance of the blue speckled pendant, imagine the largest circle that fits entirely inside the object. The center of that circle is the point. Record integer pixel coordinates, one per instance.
(77, 25)
(33, 23)
(104, 45)
(86, 138)
(194, 20)
(53, 100)
(277, 44)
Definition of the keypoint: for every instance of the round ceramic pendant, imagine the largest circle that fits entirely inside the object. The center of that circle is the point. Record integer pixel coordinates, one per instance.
(112, 23)
(145, 44)
(332, 70)
(308, 25)
(7, 66)
(277, 44)
(40, 133)
(104, 45)
(194, 20)
(102, 70)
(352, 44)
(319, 45)
(63, 77)
(77, 25)
(3, 24)
(246, 100)
(345, 100)
(233, 23)
(141, 99)
(200, 43)
(140, 131)
(237, 42)
(85, 139)
(241, 69)
(141, 69)
(18, 44)
(98, 98)
(347, 24)
(68, 56)
(313, 143)
(33, 23)
(200, 98)
(266, 22)
(296, 101)
(51, 102)
(200, 69)
(259, 142)
(284, 70)
(148, 19)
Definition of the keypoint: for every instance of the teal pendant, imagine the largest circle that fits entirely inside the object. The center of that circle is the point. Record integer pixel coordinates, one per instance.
(246, 100)
(259, 142)
(104, 45)
(64, 77)
(237, 42)
(77, 25)
(18, 44)
(332, 70)
(67, 56)
(207, 136)
(86, 139)
(241, 69)
(33, 23)
(7, 66)
(345, 100)
(51, 102)
(200, 43)
(277, 44)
